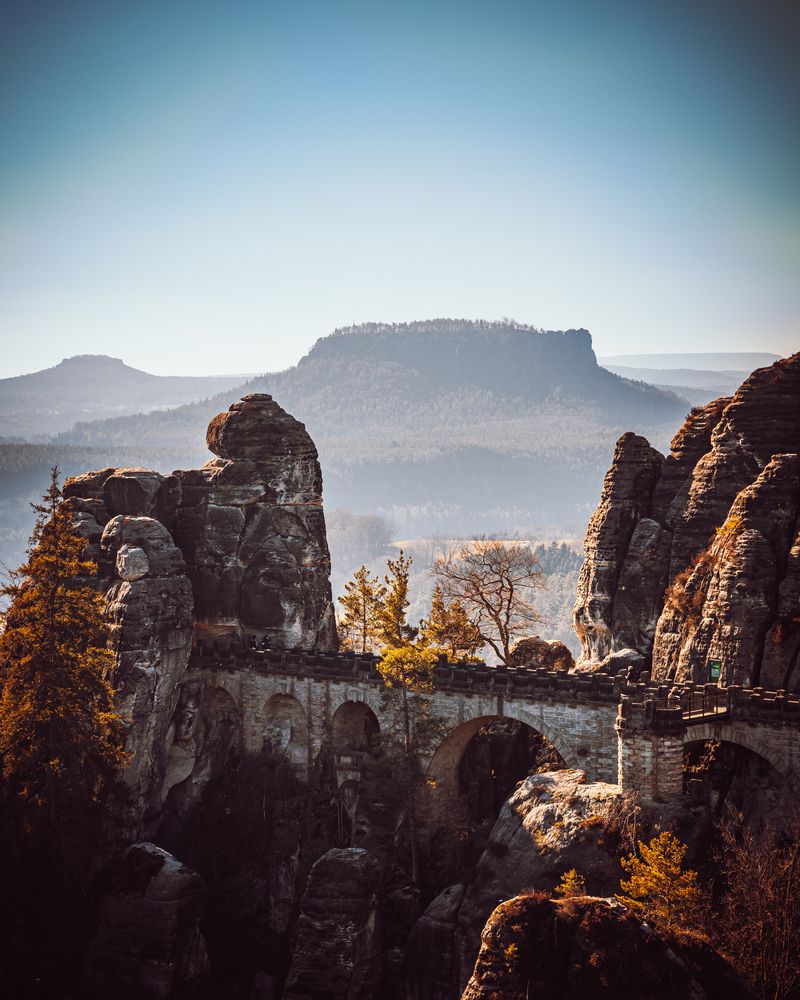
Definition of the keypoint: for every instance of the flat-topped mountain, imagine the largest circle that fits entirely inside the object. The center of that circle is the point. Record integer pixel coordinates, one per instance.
(93, 387)
(419, 387)
(442, 424)
(450, 425)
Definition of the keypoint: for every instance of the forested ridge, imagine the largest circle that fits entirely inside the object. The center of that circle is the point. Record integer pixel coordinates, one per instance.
(441, 425)
(92, 387)
(434, 384)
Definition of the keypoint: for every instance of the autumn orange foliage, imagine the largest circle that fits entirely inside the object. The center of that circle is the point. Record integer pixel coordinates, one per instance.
(60, 736)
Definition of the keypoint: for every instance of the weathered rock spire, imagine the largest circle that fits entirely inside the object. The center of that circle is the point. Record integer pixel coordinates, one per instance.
(701, 575)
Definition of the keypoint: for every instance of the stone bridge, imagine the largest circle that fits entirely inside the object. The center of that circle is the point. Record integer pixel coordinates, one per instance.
(629, 733)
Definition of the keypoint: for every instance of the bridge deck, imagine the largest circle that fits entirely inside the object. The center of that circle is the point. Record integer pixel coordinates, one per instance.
(690, 703)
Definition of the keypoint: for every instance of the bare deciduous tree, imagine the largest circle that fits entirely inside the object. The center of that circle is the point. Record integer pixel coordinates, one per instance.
(495, 581)
(759, 923)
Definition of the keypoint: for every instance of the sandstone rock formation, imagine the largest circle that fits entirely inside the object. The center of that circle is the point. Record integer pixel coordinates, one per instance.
(251, 527)
(551, 823)
(429, 960)
(692, 560)
(337, 954)
(584, 947)
(149, 605)
(537, 652)
(148, 944)
(621, 515)
(234, 549)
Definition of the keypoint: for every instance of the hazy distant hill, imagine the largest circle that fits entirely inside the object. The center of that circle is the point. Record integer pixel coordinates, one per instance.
(710, 361)
(442, 422)
(413, 390)
(90, 387)
(447, 425)
(698, 386)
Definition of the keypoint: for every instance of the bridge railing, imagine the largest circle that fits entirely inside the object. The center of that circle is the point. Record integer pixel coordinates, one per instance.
(662, 703)
(699, 703)
(705, 701)
(515, 682)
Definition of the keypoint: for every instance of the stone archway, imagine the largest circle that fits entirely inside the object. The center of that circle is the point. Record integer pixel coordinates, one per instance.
(442, 781)
(353, 727)
(743, 738)
(285, 730)
(730, 765)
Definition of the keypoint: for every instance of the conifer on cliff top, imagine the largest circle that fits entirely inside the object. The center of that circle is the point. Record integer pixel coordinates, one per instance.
(659, 887)
(359, 624)
(60, 736)
(448, 628)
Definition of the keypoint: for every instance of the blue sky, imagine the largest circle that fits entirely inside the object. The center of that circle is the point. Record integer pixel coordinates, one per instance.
(210, 187)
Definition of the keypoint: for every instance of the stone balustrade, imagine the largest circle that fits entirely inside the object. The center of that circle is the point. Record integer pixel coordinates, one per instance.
(615, 727)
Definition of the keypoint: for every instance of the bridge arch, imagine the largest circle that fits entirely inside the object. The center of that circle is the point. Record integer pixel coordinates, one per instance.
(341, 694)
(285, 729)
(442, 774)
(743, 737)
(354, 726)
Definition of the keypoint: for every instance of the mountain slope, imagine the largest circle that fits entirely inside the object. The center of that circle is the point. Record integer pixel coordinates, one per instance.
(412, 390)
(441, 425)
(89, 387)
(697, 386)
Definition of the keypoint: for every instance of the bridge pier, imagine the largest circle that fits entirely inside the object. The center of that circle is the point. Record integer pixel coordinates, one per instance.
(650, 749)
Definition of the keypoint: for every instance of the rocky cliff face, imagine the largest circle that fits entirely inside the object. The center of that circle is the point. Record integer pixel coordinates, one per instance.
(337, 954)
(694, 558)
(252, 530)
(235, 548)
(148, 944)
(533, 946)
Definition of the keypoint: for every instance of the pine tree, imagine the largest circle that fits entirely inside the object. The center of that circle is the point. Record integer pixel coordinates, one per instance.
(659, 887)
(60, 737)
(360, 625)
(448, 629)
(395, 632)
(572, 883)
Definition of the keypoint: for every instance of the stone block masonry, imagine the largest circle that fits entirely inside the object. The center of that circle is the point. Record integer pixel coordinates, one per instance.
(616, 731)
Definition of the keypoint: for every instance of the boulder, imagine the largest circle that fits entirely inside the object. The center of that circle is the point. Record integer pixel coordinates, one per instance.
(148, 945)
(629, 662)
(258, 430)
(553, 822)
(535, 947)
(536, 652)
(132, 563)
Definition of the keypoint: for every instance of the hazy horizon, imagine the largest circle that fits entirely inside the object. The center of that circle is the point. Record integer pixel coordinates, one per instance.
(657, 361)
(211, 189)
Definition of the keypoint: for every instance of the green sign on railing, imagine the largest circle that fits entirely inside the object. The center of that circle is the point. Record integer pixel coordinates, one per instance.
(715, 669)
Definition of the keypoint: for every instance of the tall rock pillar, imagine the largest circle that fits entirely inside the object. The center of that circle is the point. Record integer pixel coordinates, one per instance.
(252, 531)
